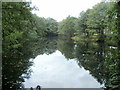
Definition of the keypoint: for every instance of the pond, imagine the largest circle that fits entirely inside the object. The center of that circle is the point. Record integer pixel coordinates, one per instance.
(58, 63)
(55, 71)
(59, 67)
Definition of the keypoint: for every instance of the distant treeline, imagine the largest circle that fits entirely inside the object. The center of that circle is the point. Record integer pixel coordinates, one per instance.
(97, 24)
(20, 26)
(101, 23)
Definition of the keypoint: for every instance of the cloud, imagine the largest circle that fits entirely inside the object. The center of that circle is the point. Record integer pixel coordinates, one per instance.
(55, 71)
(60, 9)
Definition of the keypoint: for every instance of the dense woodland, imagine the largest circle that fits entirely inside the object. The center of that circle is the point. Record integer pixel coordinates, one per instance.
(96, 27)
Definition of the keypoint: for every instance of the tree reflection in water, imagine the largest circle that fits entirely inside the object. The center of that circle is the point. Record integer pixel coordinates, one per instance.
(17, 62)
(101, 59)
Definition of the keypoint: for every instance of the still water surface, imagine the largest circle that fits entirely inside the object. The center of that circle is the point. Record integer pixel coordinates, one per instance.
(55, 71)
(61, 63)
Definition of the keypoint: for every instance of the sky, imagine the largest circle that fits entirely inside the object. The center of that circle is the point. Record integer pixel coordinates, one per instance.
(55, 71)
(60, 9)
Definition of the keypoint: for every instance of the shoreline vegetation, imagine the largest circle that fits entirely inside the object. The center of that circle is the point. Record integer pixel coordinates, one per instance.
(101, 24)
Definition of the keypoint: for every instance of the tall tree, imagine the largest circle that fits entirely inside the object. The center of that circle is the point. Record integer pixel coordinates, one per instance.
(67, 26)
(52, 26)
(97, 20)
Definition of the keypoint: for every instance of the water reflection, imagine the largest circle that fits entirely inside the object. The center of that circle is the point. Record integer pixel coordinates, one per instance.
(55, 71)
(16, 66)
(66, 47)
(61, 63)
(91, 56)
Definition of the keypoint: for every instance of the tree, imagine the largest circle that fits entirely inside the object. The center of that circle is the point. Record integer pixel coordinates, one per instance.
(40, 26)
(66, 27)
(16, 26)
(81, 25)
(97, 20)
(52, 26)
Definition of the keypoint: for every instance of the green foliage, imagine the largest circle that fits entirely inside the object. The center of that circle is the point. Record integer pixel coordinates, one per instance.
(101, 23)
(98, 23)
(93, 22)
(52, 26)
(45, 27)
(16, 19)
(81, 23)
(39, 25)
(16, 25)
(66, 27)
(16, 64)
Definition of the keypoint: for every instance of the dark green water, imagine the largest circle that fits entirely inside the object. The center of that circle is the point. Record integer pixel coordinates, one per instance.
(59, 63)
